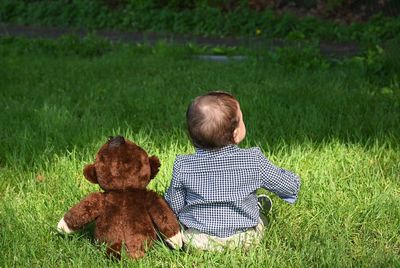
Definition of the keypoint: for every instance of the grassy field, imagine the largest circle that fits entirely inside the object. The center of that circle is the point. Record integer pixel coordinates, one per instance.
(329, 125)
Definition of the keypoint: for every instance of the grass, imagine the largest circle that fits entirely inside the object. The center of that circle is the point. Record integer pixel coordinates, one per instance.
(339, 132)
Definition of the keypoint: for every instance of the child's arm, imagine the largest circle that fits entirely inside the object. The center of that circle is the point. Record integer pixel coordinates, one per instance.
(176, 194)
(277, 180)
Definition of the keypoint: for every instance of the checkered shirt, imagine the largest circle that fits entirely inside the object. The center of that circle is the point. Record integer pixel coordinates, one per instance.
(214, 191)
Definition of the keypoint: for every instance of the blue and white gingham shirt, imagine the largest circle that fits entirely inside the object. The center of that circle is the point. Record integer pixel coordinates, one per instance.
(214, 191)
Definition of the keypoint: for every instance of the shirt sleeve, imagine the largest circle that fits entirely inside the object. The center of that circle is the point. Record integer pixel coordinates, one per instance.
(277, 180)
(176, 194)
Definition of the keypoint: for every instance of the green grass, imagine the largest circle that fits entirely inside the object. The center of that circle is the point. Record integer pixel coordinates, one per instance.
(339, 132)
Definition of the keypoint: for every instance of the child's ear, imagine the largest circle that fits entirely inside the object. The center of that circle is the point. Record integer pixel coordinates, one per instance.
(154, 166)
(90, 173)
(235, 135)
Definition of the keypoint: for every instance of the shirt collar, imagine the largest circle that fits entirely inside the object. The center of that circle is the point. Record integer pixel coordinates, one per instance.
(229, 149)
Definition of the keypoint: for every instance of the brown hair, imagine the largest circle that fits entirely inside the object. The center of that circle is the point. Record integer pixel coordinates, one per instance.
(211, 119)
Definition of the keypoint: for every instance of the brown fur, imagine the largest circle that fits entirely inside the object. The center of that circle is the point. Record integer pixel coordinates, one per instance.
(125, 213)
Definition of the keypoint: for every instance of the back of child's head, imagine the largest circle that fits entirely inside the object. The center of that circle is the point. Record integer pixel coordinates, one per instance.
(211, 120)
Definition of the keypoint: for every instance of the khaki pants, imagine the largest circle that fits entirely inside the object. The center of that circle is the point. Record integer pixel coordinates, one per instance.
(198, 240)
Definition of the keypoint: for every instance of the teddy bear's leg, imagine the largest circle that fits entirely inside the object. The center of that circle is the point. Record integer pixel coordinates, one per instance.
(114, 250)
(137, 245)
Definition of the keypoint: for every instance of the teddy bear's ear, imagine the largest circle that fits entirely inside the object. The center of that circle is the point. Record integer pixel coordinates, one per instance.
(154, 166)
(90, 173)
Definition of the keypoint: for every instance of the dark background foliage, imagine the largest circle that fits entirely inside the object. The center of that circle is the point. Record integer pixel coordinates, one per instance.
(339, 20)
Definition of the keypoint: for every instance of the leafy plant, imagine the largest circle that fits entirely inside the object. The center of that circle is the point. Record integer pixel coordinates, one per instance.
(206, 18)
(299, 55)
(88, 46)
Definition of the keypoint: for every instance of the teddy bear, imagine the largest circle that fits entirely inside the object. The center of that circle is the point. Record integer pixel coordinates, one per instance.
(126, 214)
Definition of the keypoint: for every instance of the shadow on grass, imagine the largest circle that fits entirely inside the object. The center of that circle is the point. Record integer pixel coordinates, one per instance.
(64, 103)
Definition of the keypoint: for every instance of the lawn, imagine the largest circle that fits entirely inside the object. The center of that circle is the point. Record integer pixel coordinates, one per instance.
(332, 126)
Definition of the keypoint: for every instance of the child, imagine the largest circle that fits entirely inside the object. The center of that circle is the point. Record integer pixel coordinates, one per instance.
(213, 191)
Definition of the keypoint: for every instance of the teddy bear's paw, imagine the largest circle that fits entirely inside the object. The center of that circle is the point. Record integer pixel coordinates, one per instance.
(62, 227)
(176, 241)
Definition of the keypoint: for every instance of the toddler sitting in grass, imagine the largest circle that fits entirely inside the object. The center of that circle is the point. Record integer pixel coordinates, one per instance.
(213, 191)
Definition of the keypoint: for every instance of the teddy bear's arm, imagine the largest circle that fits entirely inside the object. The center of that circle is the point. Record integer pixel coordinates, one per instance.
(86, 211)
(165, 221)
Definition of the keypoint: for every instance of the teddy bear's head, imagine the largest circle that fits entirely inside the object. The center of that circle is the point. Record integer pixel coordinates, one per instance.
(121, 165)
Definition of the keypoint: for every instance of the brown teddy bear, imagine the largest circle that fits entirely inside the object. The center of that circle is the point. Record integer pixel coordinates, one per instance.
(126, 213)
